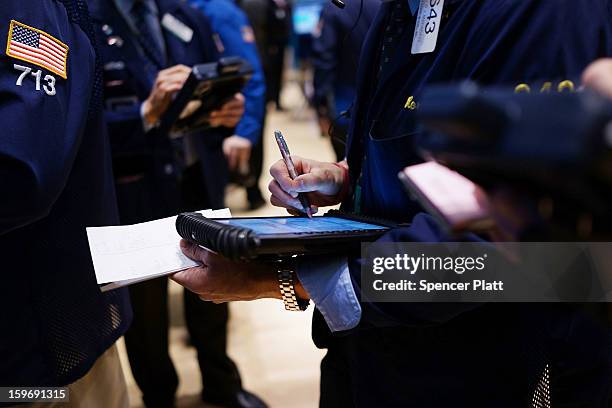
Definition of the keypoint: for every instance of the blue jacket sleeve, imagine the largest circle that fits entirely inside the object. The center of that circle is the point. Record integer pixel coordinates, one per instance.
(232, 29)
(39, 137)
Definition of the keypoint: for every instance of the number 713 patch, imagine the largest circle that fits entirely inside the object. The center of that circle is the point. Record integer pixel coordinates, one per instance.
(44, 84)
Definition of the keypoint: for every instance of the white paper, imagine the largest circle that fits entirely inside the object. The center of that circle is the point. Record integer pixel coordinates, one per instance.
(123, 255)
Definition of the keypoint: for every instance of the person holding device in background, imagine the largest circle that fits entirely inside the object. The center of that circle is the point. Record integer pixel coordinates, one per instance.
(393, 354)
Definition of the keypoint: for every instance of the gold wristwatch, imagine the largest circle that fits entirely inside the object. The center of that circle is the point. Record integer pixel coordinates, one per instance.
(286, 283)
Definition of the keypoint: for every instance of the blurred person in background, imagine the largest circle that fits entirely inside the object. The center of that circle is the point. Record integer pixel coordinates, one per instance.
(336, 47)
(278, 30)
(305, 18)
(148, 47)
(271, 23)
(234, 36)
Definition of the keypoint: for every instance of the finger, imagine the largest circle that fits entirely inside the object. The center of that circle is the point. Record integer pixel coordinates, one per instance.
(171, 82)
(281, 195)
(161, 79)
(299, 213)
(279, 170)
(227, 116)
(278, 203)
(233, 159)
(227, 112)
(193, 279)
(229, 123)
(244, 155)
(194, 252)
(232, 105)
(308, 183)
(170, 88)
(280, 174)
(598, 77)
(174, 69)
(227, 147)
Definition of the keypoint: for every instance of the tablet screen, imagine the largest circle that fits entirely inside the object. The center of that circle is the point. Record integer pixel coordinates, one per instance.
(292, 225)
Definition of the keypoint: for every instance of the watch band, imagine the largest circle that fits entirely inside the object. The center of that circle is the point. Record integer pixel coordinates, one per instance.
(286, 283)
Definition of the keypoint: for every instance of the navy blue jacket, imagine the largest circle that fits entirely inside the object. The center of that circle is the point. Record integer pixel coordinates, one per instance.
(427, 355)
(56, 181)
(237, 38)
(336, 48)
(127, 84)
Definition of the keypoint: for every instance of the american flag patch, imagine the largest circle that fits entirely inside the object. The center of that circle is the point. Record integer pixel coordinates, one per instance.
(32, 45)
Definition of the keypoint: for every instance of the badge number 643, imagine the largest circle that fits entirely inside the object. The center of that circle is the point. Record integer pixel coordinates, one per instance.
(48, 87)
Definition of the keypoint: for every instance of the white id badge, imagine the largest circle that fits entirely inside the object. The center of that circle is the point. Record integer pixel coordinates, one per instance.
(427, 26)
(177, 27)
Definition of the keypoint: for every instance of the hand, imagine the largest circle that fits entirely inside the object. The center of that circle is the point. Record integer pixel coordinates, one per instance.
(598, 77)
(237, 150)
(221, 280)
(167, 84)
(230, 113)
(323, 182)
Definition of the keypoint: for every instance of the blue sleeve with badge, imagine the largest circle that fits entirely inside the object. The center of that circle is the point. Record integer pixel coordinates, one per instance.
(30, 93)
(235, 37)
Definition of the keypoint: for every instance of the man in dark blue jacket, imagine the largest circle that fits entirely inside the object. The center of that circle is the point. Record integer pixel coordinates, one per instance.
(336, 48)
(148, 47)
(56, 181)
(426, 355)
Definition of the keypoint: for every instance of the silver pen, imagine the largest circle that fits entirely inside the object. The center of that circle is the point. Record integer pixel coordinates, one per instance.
(284, 149)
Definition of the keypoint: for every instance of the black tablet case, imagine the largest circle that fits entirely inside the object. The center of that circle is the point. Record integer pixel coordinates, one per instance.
(239, 243)
(212, 84)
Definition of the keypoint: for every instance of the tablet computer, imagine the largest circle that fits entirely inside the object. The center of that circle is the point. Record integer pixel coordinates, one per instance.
(208, 87)
(270, 237)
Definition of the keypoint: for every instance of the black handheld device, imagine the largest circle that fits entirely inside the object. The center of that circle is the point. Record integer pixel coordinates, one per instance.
(208, 87)
(272, 237)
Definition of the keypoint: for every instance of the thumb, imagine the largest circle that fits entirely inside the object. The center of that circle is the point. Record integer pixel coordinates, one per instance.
(192, 251)
(192, 278)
